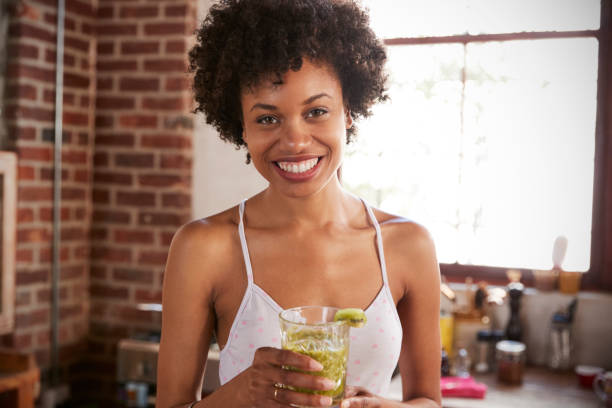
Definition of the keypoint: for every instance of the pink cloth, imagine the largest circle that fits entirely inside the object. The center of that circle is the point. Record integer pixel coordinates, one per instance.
(464, 387)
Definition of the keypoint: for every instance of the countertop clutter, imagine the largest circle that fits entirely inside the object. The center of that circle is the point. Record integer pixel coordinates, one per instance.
(541, 388)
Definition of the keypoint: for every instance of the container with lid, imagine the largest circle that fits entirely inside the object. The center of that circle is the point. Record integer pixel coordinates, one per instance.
(510, 356)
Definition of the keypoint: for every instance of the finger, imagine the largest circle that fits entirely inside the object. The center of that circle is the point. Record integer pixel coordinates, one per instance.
(289, 397)
(352, 391)
(360, 402)
(301, 380)
(288, 358)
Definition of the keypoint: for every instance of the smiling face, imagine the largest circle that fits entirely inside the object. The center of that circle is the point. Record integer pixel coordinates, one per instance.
(295, 129)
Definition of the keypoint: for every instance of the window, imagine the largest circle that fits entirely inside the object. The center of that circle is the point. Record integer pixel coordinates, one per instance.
(489, 137)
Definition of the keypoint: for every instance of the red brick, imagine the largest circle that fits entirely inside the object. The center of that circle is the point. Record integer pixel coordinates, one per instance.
(23, 133)
(29, 235)
(134, 160)
(111, 217)
(75, 118)
(153, 257)
(25, 215)
(100, 253)
(74, 157)
(101, 196)
(161, 180)
(120, 65)
(70, 311)
(73, 233)
(116, 139)
(24, 255)
(175, 47)
(47, 174)
(81, 213)
(165, 65)
(23, 298)
(29, 72)
(139, 11)
(21, 91)
(139, 47)
(87, 28)
(72, 272)
(46, 214)
(109, 292)
(69, 59)
(33, 318)
(44, 295)
(100, 159)
(98, 272)
(114, 102)
(104, 84)
(24, 112)
(84, 9)
(85, 101)
(20, 51)
(51, 18)
(25, 30)
(132, 275)
(139, 84)
(112, 178)
(175, 161)
(73, 193)
(165, 29)
(163, 104)
(76, 43)
(133, 236)
(103, 121)
(178, 83)
(128, 29)
(148, 296)
(46, 254)
(165, 141)
(138, 121)
(176, 200)
(82, 176)
(30, 277)
(136, 199)
(81, 252)
(106, 12)
(106, 48)
(176, 11)
(35, 193)
(25, 173)
(76, 81)
(160, 219)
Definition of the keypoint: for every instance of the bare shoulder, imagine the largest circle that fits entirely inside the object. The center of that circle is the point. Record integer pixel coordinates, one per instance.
(201, 247)
(409, 250)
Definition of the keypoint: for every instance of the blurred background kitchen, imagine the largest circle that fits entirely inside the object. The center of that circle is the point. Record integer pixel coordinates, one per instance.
(498, 138)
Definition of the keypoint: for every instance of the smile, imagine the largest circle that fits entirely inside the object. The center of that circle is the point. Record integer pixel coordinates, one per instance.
(298, 167)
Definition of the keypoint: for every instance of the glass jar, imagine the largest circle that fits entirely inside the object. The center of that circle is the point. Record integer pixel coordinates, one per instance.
(510, 357)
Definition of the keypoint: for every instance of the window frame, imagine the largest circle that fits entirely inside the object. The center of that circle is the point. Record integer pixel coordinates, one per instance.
(599, 275)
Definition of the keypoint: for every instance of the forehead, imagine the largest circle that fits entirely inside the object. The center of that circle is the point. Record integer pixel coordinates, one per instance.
(310, 79)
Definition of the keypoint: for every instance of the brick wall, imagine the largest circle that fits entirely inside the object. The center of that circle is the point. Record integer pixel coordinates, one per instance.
(30, 97)
(142, 166)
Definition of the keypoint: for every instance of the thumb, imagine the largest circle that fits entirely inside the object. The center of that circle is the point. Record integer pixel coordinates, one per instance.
(360, 402)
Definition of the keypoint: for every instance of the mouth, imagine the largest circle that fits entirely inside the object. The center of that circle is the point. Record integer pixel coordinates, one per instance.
(298, 170)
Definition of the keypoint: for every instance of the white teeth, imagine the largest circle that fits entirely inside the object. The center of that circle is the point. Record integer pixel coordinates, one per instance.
(298, 167)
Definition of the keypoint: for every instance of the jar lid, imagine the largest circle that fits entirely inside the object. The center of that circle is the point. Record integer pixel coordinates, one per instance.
(511, 347)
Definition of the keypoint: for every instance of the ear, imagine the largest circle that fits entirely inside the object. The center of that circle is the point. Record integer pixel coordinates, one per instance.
(348, 119)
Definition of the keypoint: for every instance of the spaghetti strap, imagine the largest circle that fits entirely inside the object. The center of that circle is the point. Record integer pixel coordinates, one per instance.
(379, 243)
(243, 244)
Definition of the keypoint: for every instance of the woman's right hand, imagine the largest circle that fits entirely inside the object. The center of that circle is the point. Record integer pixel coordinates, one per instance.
(264, 384)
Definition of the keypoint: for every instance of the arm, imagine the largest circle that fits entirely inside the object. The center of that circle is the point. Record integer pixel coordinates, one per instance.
(196, 260)
(419, 312)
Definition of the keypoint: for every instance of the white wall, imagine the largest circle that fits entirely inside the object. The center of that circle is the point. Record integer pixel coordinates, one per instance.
(221, 178)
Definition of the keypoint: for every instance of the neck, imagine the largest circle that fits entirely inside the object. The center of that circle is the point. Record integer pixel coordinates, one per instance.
(329, 206)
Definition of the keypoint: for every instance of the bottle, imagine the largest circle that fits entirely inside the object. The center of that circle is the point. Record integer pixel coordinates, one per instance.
(560, 338)
(445, 366)
(462, 363)
(483, 339)
(513, 329)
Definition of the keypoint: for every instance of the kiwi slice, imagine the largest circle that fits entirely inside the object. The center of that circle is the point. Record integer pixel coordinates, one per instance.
(353, 316)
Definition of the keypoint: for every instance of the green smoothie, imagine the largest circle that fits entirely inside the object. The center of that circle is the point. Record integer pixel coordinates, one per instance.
(327, 350)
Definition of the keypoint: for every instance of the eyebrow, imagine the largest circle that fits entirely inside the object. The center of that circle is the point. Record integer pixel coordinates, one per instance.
(273, 108)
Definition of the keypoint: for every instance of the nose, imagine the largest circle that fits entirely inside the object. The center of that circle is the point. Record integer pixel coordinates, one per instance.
(295, 137)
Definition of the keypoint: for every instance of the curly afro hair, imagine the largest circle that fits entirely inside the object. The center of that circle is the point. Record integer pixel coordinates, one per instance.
(242, 42)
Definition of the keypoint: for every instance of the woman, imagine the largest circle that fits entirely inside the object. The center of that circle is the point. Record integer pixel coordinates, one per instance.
(286, 79)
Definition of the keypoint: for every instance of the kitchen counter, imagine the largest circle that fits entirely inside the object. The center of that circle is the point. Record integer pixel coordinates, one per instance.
(541, 388)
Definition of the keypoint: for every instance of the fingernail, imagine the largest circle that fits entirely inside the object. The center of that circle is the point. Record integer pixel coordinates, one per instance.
(329, 384)
(326, 401)
(345, 404)
(315, 365)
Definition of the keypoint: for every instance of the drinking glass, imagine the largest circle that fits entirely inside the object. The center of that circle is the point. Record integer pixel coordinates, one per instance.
(312, 331)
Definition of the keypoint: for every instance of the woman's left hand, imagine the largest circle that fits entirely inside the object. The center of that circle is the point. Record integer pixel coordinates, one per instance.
(359, 397)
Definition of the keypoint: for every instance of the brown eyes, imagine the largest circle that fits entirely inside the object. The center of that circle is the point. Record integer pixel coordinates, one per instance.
(268, 120)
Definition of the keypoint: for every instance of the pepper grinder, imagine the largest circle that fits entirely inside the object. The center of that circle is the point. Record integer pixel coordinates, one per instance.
(513, 329)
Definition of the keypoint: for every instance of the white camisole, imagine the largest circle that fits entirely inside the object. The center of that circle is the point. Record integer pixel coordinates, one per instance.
(374, 349)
